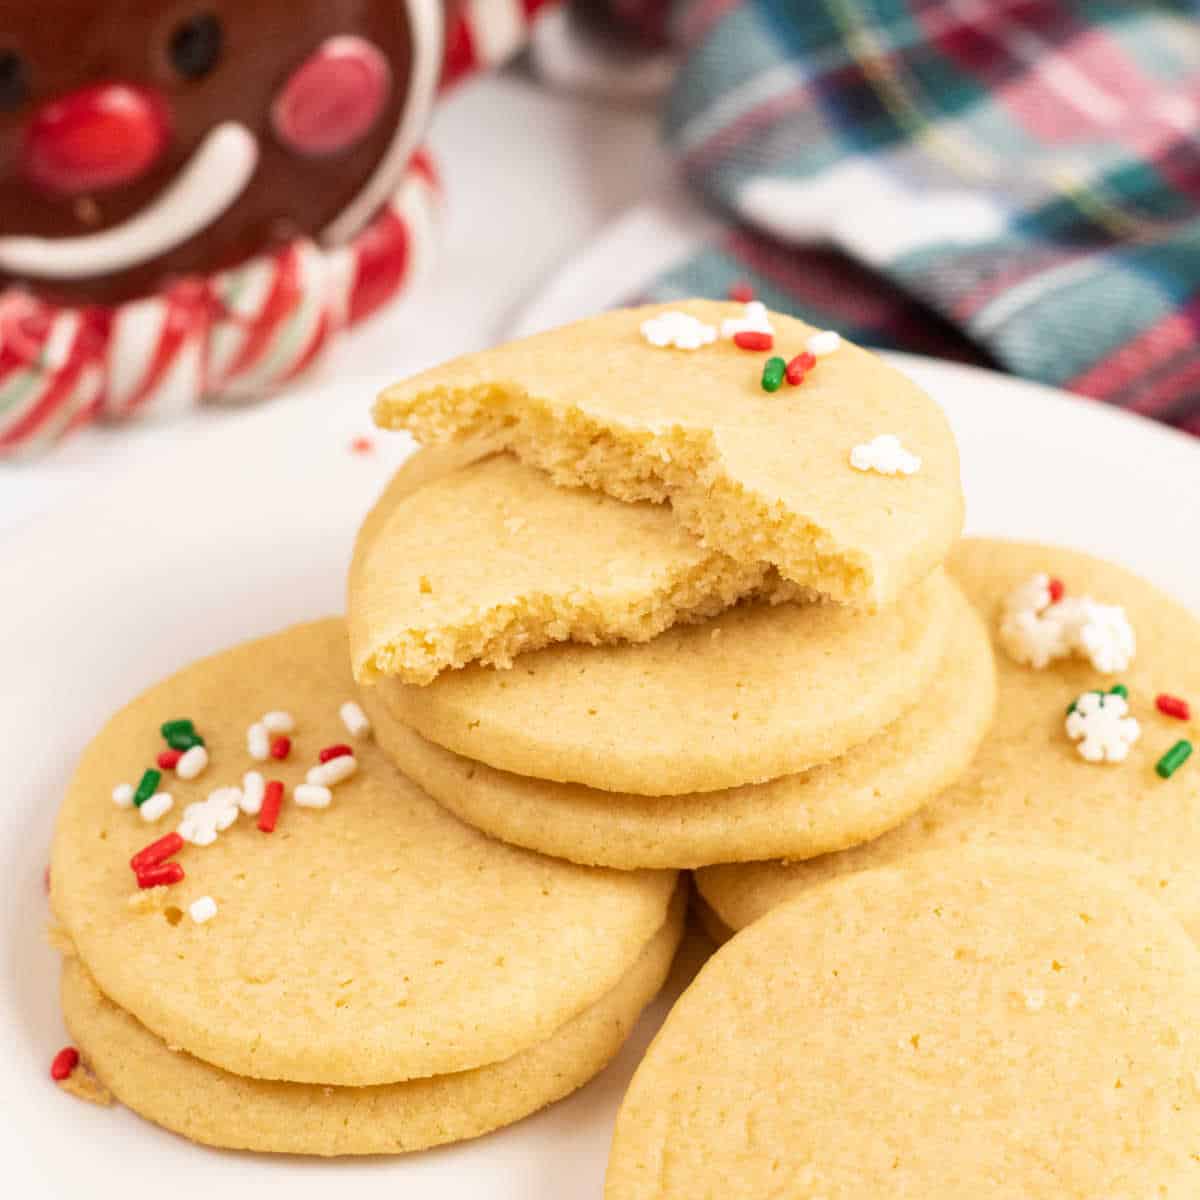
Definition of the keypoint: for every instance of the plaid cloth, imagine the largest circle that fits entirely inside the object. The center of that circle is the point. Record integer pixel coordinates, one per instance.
(1008, 181)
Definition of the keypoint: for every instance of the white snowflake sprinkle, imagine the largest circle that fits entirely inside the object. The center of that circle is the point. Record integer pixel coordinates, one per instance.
(754, 319)
(1101, 728)
(205, 819)
(678, 329)
(1035, 631)
(203, 909)
(885, 454)
(122, 795)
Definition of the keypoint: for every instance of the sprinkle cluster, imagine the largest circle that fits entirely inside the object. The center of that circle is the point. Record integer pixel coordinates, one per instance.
(205, 820)
(752, 330)
(1042, 624)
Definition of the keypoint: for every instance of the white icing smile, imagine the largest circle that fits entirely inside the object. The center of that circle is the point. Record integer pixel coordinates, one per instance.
(215, 176)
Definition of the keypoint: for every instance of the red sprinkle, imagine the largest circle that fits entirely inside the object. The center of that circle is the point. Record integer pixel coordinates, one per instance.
(156, 852)
(281, 747)
(65, 1061)
(362, 445)
(751, 339)
(341, 750)
(799, 367)
(169, 759)
(1056, 590)
(1173, 706)
(743, 293)
(269, 813)
(159, 875)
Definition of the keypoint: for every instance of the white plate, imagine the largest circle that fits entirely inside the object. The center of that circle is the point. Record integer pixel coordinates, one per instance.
(249, 528)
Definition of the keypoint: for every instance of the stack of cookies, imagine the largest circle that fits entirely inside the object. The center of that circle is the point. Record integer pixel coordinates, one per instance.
(296, 950)
(672, 588)
(634, 609)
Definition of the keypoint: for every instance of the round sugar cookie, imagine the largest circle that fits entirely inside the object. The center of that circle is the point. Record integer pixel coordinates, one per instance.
(758, 692)
(984, 1023)
(757, 475)
(841, 803)
(375, 940)
(1028, 783)
(493, 560)
(211, 1106)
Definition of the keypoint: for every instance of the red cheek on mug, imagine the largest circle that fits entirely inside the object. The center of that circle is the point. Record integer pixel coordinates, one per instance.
(333, 98)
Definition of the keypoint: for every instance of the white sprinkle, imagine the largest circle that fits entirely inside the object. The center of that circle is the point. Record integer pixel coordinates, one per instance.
(754, 319)
(310, 795)
(203, 909)
(822, 344)
(253, 789)
(157, 806)
(355, 719)
(192, 763)
(204, 819)
(334, 771)
(678, 329)
(886, 455)
(258, 742)
(123, 795)
(1101, 727)
(278, 721)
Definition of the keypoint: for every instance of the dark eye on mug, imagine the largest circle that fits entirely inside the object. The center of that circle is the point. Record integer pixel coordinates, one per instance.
(14, 81)
(195, 46)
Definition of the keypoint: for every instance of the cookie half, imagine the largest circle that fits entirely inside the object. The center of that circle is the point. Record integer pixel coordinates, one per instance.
(980, 1022)
(841, 803)
(493, 560)
(757, 475)
(755, 693)
(212, 1106)
(373, 940)
(1029, 784)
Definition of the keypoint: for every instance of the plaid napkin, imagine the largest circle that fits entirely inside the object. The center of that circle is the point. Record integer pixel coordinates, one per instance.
(1014, 182)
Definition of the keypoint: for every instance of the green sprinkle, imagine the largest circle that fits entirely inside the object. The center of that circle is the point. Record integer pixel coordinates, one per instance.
(181, 725)
(184, 740)
(773, 373)
(1174, 758)
(1119, 689)
(147, 787)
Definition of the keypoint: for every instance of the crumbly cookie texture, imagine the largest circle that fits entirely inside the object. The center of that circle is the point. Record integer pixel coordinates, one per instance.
(1028, 785)
(493, 560)
(977, 1022)
(761, 477)
(217, 1108)
(867, 791)
(373, 940)
(755, 693)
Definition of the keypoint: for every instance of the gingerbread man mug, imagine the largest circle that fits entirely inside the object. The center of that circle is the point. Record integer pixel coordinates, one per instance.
(195, 195)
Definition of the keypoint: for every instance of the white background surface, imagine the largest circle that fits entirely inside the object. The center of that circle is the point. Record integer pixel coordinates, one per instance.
(235, 526)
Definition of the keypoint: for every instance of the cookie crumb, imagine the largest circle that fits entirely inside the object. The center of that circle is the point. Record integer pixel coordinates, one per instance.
(83, 1084)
